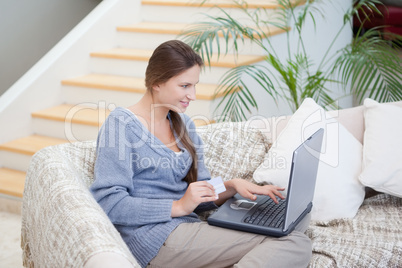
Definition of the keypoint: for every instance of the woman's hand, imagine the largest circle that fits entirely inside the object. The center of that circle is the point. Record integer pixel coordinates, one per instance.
(249, 190)
(197, 192)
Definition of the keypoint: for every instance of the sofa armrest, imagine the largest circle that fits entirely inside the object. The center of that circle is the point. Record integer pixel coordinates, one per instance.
(108, 260)
(62, 225)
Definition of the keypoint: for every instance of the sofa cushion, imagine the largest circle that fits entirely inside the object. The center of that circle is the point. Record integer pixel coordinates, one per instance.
(338, 192)
(371, 239)
(352, 119)
(233, 149)
(382, 154)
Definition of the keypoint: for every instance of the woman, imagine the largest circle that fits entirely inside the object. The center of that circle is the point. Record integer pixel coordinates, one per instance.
(151, 180)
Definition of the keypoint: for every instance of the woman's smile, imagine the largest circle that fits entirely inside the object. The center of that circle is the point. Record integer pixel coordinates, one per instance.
(185, 103)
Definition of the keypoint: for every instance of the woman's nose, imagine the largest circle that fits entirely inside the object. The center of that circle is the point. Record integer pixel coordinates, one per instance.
(191, 95)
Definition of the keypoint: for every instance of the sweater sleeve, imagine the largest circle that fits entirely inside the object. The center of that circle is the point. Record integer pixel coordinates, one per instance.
(114, 180)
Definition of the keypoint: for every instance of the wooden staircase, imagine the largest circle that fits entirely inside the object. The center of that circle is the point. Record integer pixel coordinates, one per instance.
(85, 107)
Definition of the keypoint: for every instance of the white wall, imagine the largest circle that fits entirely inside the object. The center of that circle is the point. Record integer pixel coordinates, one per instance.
(40, 87)
(30, 28)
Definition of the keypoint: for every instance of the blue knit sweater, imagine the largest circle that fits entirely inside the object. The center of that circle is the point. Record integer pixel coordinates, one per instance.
(137, 178)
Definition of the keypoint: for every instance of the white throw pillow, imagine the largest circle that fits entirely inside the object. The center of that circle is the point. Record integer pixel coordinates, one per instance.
(382, 151)
(338, 192)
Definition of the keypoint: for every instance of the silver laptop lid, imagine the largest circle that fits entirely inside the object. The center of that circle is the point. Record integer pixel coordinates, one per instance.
(303, 176)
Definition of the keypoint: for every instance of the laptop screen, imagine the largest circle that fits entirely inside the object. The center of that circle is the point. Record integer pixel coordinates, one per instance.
(303, 177)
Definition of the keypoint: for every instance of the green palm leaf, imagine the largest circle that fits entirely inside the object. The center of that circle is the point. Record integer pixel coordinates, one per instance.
(370, 63)
(236, 93)
(203, 35)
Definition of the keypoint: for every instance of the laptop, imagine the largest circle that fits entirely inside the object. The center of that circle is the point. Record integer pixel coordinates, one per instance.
(263, 216)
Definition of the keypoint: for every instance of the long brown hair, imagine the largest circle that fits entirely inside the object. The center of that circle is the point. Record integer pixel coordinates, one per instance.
(170, 59)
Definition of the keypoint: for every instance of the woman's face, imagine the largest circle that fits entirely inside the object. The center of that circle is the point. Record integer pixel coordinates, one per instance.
(178, 91)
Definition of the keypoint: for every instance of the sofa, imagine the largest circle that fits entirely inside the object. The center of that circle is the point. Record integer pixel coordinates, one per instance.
(63, 226)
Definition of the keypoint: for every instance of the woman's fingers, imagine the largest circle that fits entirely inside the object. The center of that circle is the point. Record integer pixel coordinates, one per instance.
(196, 193)
(202, 191)
(271, 190)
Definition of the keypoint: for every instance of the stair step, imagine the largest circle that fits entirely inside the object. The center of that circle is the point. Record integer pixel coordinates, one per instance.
(228, 61)
(131, 84)
(177, 28)
(154, 27)
(78, 114)
(270, 4)
(12, 182)
(31, 144)
(109, 82)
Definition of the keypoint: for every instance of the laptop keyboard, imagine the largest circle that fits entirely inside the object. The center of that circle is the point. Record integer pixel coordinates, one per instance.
(267, 214)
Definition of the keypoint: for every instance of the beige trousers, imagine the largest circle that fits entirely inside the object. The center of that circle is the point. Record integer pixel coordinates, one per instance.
(201, 245)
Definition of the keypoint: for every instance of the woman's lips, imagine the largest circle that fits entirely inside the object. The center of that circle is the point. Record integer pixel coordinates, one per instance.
(185, 103)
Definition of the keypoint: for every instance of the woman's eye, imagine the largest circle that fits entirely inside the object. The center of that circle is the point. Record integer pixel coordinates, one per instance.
(185, 86)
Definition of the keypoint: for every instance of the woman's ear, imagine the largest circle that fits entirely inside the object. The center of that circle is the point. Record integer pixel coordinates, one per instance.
(156, 88)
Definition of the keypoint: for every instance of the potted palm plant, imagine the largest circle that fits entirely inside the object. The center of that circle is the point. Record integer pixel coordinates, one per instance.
(369, 64)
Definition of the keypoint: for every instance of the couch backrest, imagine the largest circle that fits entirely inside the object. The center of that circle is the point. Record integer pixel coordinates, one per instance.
(351, 118)
(81, 155)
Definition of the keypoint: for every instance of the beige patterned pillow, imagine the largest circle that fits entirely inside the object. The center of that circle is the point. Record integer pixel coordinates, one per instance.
(233, 149)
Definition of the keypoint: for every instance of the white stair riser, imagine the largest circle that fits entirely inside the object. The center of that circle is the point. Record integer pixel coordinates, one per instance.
(142, 40)
(11, 204)
(174, 13)
(151, 41)
(15, 160)
(112, 98)
(64, 130)
(212, 75)
(120, 67)
(190, 14)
